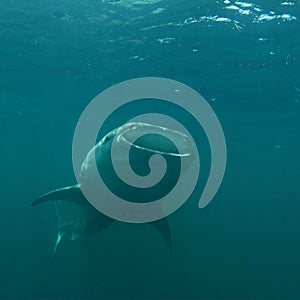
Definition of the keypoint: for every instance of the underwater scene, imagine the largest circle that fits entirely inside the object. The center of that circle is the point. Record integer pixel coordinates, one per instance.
(107, 91)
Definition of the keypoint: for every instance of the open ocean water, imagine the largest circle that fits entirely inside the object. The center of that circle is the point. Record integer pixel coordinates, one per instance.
(242, 57)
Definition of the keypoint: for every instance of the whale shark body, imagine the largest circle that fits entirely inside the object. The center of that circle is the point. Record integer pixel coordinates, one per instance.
(92, 220)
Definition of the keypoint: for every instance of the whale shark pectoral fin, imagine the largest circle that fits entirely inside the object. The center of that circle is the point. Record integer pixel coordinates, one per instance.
(71, 193)
(162, 226)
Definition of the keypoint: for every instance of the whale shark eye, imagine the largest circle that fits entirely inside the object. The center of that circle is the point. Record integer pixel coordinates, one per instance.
(105, 139)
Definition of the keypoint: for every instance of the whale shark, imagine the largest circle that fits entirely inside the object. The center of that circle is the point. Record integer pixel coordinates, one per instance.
(88, 219)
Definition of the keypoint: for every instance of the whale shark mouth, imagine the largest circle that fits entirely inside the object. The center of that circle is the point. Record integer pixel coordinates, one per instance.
(130, 131)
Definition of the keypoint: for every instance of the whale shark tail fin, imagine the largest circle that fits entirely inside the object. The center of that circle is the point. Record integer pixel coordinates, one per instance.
(70, 193)
(70, 231)
(162, 226)
(61, 235)
(68, 228)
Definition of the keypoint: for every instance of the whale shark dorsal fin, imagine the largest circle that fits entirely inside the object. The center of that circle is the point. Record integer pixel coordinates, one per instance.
(162, 226)
(71, 193)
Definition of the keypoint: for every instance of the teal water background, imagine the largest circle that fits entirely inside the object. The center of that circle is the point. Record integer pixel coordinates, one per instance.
(244, 58)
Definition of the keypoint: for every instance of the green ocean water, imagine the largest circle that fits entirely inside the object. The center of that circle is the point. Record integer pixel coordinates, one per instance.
(242, 57)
